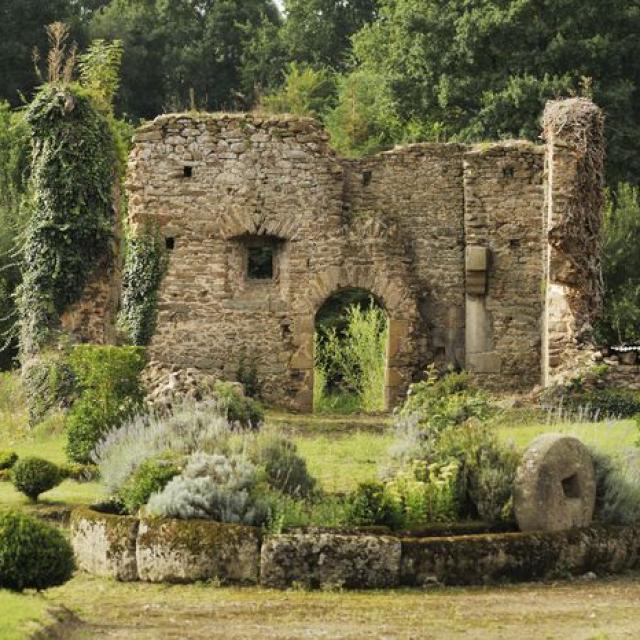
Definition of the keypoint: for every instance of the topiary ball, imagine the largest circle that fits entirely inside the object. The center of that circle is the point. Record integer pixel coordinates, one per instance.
(33, 555)
(33, 476)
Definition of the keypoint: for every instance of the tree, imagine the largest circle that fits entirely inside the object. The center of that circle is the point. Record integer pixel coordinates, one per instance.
(319, 32)
(484, 68)
(22, 29)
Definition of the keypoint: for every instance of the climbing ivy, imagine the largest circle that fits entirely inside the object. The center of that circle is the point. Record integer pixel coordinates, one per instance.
(71, 226)
(145, 263)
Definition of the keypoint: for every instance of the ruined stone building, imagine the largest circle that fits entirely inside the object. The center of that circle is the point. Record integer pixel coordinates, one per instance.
(483, 256)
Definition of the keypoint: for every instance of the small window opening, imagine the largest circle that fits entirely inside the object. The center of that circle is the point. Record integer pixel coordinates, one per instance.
(571, 486)
(508, 172)
(366, 178)
(260, 263)
(514, 243)
(170, 244)
(188, 172)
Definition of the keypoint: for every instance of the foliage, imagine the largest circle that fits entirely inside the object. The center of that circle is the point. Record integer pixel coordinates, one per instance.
(14, 214)
(305, 92)
(617, 488)
(371, 504)
(357, 356)
(318, 32)
(364, 119)
(70, 229)
(621, 267)
(212, 487)
(152, 476)
(144, 266)
(285, 469)
(33, 476)
(187, 429)
(33, 555)
(100, 72)
(110, 393)
(246, 412)
(247, 376)
(8, 459)
(49, 382)
(286, 512)
(485, 71)
(444, 401)
(424, 493)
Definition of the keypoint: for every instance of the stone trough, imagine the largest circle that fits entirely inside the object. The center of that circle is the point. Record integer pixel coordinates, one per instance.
(554, 497)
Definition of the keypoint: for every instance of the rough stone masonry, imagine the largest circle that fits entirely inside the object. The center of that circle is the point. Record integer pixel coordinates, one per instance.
(484, 256)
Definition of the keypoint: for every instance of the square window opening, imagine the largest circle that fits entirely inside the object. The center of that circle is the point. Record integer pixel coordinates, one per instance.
(260, 263)
(188, 172)
(170, 243)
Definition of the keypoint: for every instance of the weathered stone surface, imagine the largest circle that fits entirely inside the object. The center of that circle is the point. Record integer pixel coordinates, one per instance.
(396, 225)
(189, 550)
(555, 485)
(330, 560)
(517, 557)
(104, 544)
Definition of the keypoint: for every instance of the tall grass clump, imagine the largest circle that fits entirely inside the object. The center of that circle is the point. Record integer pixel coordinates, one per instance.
(353, 361)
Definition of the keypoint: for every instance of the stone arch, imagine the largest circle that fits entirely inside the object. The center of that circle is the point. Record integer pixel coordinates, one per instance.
(400, 305)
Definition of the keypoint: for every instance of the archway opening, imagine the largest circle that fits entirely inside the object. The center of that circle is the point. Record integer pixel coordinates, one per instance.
(350, 354)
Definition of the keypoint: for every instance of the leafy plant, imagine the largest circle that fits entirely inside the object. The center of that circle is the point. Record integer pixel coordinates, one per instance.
(213, 487)
(100, 71)
(617, 488)
(150, 477)
(33, 555)
(371, 504)
(110, 393)
(285, 469)
(33, 476)
(240, 409)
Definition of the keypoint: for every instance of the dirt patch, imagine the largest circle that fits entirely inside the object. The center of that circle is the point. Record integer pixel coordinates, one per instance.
(580, 610)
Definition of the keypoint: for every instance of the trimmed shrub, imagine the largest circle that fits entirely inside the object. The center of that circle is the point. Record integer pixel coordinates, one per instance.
(285, 469)
(110, 393)
(240, 410)
(371, 505)
(33, 476)
(33, 555)
(8, 459)
(152, 476)
(213, 487)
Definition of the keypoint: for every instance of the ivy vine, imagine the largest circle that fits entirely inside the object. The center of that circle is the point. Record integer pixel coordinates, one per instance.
(145, 264)
(72, 219)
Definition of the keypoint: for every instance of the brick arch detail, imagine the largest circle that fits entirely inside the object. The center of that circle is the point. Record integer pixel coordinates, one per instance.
(400, 306)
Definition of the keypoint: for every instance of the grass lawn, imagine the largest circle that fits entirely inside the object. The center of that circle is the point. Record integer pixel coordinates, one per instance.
(21, 615)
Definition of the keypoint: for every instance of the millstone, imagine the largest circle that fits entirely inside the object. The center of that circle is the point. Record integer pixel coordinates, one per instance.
(555, 485)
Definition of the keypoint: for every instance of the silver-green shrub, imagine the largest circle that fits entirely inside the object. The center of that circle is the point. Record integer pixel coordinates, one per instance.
(618, 488)
(189, 428)
(214, 487)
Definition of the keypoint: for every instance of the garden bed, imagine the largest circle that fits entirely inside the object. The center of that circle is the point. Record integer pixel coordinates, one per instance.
(166, 550)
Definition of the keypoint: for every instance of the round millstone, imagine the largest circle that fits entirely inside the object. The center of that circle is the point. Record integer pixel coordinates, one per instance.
(555, 485)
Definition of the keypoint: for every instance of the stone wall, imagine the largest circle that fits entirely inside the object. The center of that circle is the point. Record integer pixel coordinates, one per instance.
(452, 240)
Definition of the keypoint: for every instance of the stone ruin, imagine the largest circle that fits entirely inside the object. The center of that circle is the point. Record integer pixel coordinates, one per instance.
(485, 256)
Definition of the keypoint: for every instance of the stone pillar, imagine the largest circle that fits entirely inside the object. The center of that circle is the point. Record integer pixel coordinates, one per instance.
(573, 131)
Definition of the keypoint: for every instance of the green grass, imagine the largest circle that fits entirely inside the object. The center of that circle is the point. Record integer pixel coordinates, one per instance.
(21, 615)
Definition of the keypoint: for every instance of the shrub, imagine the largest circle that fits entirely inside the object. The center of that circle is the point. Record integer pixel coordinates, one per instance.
(8, 459)
(33, 555)
(79, 472)
(110, 393)
(48, 383)
(240, 409)
(212, 487)
(441, 402)
(590, 404)
(190, 427)
(33, 476)
(150, 477)
(285, 469)
(371, 505)
(617, 488)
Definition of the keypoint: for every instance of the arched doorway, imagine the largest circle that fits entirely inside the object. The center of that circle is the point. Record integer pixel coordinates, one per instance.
(351, 340)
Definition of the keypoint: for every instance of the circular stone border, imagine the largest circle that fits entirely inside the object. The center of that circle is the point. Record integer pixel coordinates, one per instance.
(166, 550)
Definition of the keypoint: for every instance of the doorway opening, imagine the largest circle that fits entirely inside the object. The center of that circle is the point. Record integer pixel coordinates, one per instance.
(350, 354)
